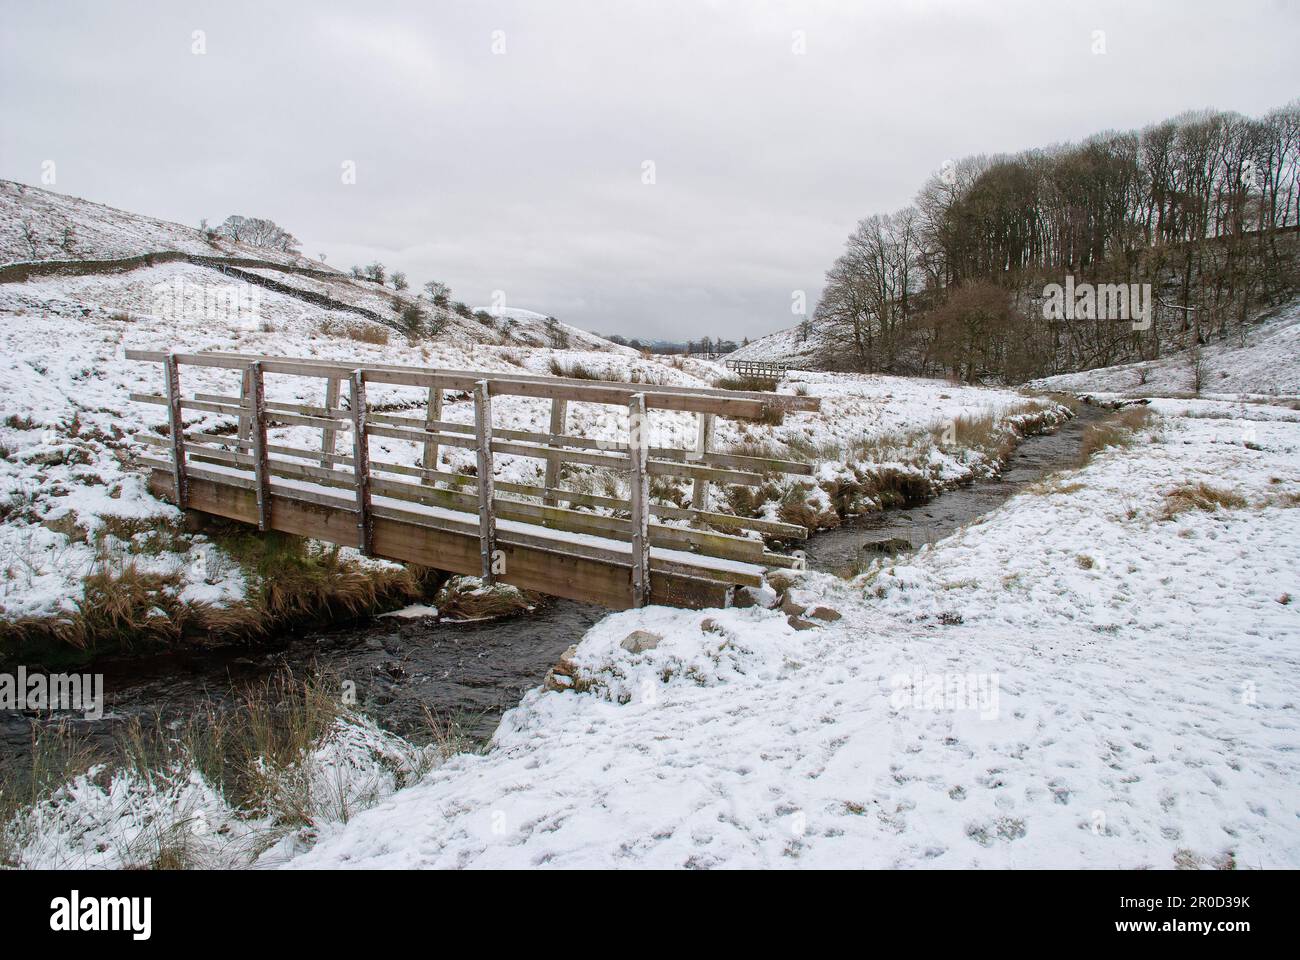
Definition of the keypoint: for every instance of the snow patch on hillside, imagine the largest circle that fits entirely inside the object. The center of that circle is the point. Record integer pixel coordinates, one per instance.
(1267, 365)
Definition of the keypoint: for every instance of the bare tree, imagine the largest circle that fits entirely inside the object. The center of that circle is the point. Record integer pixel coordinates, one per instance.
(258, 232)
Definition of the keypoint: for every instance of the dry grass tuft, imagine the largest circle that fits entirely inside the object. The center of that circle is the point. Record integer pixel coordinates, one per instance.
(361, 332)
(574, 371)
(1118, 431)
(1200, 496)
(735, 382)
(467, 598)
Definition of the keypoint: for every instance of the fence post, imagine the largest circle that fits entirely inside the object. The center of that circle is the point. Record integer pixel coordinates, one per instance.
(261, 468)
(487, 531)
(433, 412)
(703, 444)
(328, 433)
(361, 460)
(176, 426)
(559, 424)
(639, 487)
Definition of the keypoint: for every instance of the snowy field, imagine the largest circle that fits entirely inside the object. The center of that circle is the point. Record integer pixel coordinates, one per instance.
(1083, 678)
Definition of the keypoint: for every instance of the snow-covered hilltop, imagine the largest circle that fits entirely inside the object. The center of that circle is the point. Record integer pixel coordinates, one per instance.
(63, 247)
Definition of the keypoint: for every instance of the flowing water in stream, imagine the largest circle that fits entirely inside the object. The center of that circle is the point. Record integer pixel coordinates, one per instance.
(471, 673)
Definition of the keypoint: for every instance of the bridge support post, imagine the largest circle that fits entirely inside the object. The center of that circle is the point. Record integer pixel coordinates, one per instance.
(176, 427)
(638, 450)
(483, 447)
(328, 434)
(559, 423)
(361, 460)
(703, 444)
(433, 413)
(261, 466)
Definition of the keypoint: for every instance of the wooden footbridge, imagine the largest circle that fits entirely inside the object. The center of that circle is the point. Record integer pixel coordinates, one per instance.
(586, 546)
(766, 372)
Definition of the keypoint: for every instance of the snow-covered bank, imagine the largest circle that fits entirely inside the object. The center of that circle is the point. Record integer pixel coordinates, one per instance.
(174, 816)
(1094, 675)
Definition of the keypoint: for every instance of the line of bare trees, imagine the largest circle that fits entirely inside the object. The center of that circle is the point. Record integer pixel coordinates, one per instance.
(1194, 205)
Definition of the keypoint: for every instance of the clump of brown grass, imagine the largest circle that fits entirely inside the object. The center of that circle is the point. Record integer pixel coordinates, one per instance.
(1118, 431)
(1200, 496)
(737, 382)
(291, 581)
(468, 598)
(574, 371)
(254, 746)
(361, 332)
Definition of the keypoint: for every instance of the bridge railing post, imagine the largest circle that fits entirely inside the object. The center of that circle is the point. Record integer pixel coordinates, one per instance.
(487, 524)
(703, 445)
(361, 461)
(432, 414)
(245, 395)
(261, 465)
(328, 434)
(176, 426)
(559, 424)
(638, 447)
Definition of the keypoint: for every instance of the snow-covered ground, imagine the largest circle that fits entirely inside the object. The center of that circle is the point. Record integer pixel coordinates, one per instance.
(1267, 365)
(1075, 680)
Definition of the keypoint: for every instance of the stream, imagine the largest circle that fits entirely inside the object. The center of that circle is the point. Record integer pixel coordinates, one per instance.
(469, 674)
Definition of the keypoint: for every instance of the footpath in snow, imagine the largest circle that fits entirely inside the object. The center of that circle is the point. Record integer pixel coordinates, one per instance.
(1097, 674)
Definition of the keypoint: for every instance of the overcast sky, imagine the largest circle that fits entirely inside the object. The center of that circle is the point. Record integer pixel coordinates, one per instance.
(503, 145)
